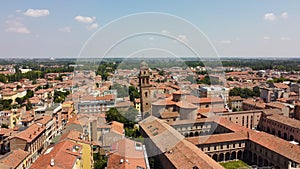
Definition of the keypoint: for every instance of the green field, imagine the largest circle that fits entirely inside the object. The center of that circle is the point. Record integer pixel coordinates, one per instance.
(235, 165)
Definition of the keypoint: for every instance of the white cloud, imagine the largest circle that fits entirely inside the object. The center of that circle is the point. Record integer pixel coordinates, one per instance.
(285, 38)
(16, 26)
(92, 26)
(284, 15)
(270, 17)
(182, 38)
(266, 38)
(65, 29)
(18, 11)
(37, 12)
(83, 19)
(225, 41)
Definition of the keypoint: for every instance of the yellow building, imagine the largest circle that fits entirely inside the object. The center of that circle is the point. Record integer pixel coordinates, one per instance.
(86, 150)
(137, 103)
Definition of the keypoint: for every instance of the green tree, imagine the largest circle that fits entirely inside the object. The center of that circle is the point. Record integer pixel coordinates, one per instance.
(133, 93)
(256, 91)
(4, 125)
(28, 105)
(230, 79)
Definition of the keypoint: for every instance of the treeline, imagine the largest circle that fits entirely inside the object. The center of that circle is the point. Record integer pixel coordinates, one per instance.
(256, 64)
(105, 68)
(33, 75)
(245, 92)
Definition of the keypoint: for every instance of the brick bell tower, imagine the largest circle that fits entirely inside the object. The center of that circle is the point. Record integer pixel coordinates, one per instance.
(144, 84)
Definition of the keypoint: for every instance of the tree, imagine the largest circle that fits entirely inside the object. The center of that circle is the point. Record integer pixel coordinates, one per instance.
(28, 105)
(131, 114)
(19, 100)
(100, 161)
(19, 87)
(114, 115)
(133, 93)
(4, 125)
(230, 79)
(34, 82)
(256, 91)
(29, 94)
(121, 90)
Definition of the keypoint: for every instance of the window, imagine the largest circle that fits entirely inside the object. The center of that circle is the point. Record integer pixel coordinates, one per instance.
(146, 94)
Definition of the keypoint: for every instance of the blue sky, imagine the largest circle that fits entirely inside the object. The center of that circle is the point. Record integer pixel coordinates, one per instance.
(58, 28)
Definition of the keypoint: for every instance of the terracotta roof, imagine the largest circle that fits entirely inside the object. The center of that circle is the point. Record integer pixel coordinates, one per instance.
(217, 138)
(74, 135)
(185, 155)
(276, 105)
(285, 120)
(5, 131)
(212, 110)
(181, 92)
(168, 114)
(163, 102)
(162, 135)
(14, 158)
(117, 127)
(130, 151)
(106, 97)
(31, 132)
(276, 144)
(281, 85)
(186, 105)
(137, 100)
(64, 155)
(43, 119)
(211, 100)
(229, 124)
(256, 104)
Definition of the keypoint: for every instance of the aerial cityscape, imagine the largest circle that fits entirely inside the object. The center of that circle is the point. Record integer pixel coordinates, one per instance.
(149, 85)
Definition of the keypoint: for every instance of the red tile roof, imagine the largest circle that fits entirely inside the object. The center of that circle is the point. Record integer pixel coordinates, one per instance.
(14, 158)
(64, 155)
(31, 132)
(126, 150)
(117, 127)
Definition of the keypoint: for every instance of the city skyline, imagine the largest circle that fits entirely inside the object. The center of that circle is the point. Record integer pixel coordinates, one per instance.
(59, 29)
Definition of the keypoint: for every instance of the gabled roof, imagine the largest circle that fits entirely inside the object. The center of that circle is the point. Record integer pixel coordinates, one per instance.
(31, 132)
(128, 151)
(64, 154)
(14, 158)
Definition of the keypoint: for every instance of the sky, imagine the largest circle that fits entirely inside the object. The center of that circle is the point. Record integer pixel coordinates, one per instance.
(56, 28)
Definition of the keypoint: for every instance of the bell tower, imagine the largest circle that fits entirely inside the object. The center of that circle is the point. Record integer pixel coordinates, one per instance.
(144, 84)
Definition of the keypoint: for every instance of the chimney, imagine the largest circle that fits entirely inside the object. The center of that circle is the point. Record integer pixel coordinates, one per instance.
(121, 161)
(52, 162)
